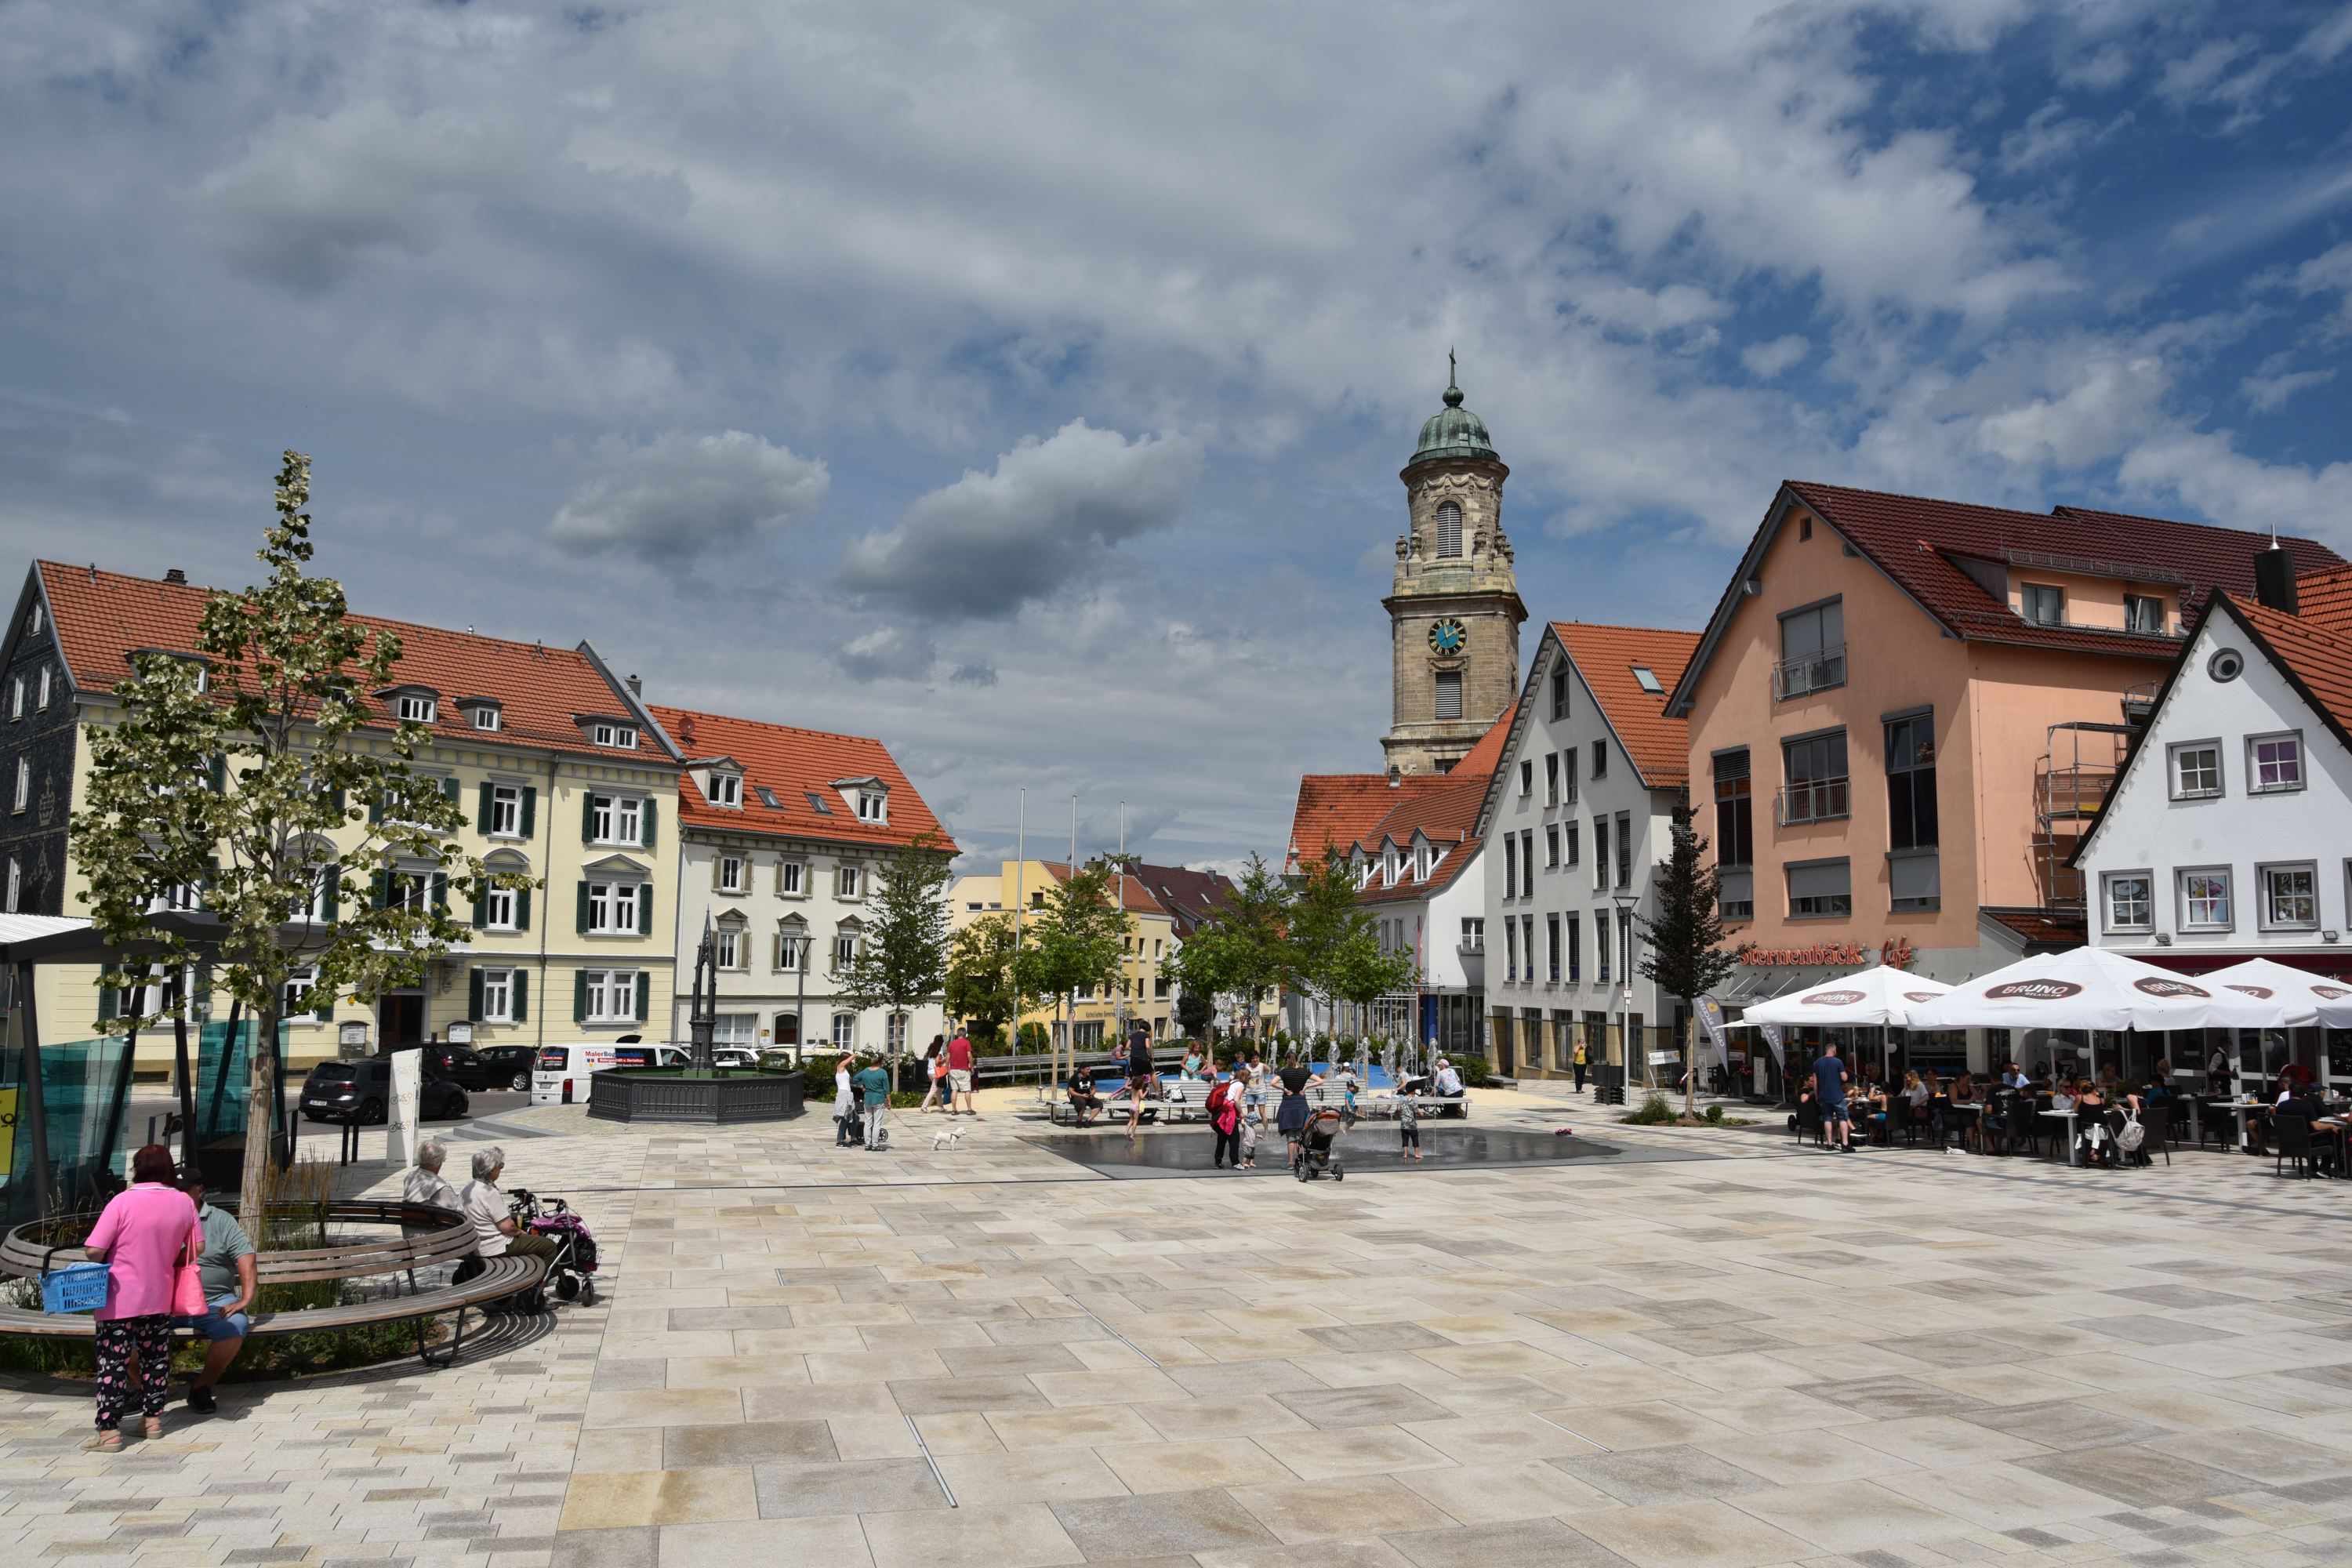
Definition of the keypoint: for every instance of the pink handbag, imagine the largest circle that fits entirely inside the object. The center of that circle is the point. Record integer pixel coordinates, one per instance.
(188, 1289)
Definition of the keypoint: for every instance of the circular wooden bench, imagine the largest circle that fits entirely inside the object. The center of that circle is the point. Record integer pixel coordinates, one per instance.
(421, 1237)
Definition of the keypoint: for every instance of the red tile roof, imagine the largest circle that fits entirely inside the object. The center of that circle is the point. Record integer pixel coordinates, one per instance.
(793, 764)
(1917, 541)
(2324, 598)
(102, 617)
(1339, 810)
(1189, 896)
(1659, 747)
(2316, 657)
(2042, 931)
(1138, 897)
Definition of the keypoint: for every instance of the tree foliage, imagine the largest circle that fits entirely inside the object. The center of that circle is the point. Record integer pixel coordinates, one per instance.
(257, 780)
(1334, 945)
(1075, 941)
(902, 953)
(1686, 957)
(983, 985)
(1241, 950)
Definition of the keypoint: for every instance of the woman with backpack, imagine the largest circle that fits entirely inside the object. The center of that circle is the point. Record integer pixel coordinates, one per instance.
(1225, 1116)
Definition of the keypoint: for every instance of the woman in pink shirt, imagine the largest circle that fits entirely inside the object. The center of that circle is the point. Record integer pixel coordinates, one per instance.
(142, 1236)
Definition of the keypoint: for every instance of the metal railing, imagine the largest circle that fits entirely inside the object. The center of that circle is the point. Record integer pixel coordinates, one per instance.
(1814, 800)
(1808, 673)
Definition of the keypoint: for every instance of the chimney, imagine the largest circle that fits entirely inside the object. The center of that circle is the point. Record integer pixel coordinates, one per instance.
(2275, 581)
(173, 575)
(636, 686)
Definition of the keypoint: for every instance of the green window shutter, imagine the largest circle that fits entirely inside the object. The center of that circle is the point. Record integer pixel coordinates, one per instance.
(375, 809)
(334, 890)
(453, 790)
(588, 818)
(205, 983)
(481, 909)
(518, 987)
(652, 810)
(645, 993)
(646, 910)
(530, 810)
(473, 996)
(522, 910)
(110, 1004)
(583, 926)
(335, 799)
(322, 1002)
(482, 814)
(579, 995)
(220, 773)
(383, 889)
(437, 887)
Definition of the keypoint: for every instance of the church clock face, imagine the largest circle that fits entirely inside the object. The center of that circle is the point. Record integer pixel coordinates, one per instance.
(1447, 637)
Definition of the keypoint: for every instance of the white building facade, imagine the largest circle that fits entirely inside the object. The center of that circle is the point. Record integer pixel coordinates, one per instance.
(1576, 820)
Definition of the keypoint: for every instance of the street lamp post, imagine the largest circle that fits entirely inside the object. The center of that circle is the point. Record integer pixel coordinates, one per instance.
(1625, 898)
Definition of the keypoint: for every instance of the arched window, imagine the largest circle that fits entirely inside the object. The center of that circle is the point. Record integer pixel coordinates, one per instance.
(1449, 529)
(845, 1031)
(788, 1028)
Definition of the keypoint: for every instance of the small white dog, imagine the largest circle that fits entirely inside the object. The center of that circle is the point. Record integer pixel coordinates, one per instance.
(948, 1137)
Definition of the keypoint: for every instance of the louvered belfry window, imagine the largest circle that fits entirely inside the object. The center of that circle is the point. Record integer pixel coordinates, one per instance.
(1449, 529)
(1449, 694)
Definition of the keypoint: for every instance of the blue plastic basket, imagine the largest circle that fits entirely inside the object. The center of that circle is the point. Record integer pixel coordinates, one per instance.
(76, 1288)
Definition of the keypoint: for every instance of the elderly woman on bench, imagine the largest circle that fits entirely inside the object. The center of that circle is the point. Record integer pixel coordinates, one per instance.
(497, 1233)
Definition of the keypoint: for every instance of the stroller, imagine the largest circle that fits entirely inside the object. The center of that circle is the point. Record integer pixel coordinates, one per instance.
(1319, 1146)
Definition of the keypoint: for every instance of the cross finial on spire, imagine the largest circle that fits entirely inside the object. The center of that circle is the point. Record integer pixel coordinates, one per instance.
(1453, 381)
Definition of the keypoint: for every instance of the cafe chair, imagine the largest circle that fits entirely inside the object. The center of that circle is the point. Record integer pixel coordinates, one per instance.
(2216, 1121)
(1807, 1119)
(2294, 1144)
(2157, 1120)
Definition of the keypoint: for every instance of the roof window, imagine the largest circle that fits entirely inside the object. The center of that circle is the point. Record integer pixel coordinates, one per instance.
(1647, 680)
(767, 797)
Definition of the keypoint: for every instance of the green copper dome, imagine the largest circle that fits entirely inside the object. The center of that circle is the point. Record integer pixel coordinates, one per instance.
(1454, 431)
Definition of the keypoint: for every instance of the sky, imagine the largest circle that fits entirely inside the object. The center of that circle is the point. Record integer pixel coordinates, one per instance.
(1026, 385)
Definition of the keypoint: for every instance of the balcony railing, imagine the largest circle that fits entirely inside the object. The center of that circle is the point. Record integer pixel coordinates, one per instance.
(1808, 673)
(1814, 800)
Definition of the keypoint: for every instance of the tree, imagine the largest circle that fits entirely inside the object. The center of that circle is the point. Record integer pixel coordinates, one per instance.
(1195, 1014)
(1686, 957)
(1074, 942)
(983, 984)
(1334, 945)
(1243, 949)
(902, 956)
(235, 780)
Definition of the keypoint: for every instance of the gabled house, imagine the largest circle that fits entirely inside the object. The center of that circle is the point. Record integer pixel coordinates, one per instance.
(2228, 834)
(784, 833)
(1578, 814)
(1410, 840)
(1096, 1016)
(532, 740)
(1904, 711)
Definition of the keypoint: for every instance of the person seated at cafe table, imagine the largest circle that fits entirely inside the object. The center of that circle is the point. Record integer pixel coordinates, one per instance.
(2091, 1124)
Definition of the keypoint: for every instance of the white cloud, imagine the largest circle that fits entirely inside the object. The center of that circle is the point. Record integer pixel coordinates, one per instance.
(1050, 515)
(680, 498)
(1770, 359)
(2205, 472)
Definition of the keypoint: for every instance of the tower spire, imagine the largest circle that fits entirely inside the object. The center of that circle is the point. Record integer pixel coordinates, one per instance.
(1453, 380)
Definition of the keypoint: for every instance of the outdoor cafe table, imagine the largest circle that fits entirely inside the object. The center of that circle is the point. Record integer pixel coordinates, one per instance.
(2073, 1155)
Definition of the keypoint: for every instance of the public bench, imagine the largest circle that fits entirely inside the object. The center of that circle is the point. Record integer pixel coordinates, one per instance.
(426, 1237)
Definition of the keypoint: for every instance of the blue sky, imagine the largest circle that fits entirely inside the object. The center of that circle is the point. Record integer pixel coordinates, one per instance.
(1027, 387)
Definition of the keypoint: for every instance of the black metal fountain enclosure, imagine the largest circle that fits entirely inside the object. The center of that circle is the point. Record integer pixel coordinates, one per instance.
(701, 1093)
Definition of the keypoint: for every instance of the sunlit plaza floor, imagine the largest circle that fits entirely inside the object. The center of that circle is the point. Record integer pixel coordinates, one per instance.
(1703, 1347)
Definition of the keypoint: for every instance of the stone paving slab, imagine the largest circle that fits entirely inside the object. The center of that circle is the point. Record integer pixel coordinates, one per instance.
(1728, 1351)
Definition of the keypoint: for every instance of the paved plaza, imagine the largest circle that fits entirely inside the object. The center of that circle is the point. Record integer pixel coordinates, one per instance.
(1717, 1350)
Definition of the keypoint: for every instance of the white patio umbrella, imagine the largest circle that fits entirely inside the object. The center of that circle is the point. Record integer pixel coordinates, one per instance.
(2306, 995)
(2094, 988)
(1874, 998)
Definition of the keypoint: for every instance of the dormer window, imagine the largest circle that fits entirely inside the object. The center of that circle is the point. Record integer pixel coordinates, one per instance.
(481, 714)
(619, 737)
(415, 707)
(873, 806)
(35, 622)
(727, 790)
(1421, 864)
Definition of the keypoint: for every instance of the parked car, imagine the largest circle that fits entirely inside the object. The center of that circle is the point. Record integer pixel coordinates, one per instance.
(459, 1064)
(361, 1091)
(508, 1066)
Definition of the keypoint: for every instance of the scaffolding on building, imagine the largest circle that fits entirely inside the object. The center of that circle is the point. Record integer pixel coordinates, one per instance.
(2081, 760)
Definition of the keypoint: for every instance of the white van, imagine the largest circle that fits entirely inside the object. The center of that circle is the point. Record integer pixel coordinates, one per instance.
(560, 1076)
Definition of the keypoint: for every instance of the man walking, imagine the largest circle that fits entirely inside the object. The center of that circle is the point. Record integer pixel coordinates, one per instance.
(960, 1076)
(1829, 1086)
(227, 1267)
(1140, 1078)
(875, 1084)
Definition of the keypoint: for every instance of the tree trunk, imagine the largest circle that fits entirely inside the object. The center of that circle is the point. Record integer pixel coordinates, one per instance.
(1690, 1055)
(260, 1114)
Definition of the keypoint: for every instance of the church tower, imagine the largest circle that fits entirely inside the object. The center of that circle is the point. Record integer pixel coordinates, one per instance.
(1454, 610)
